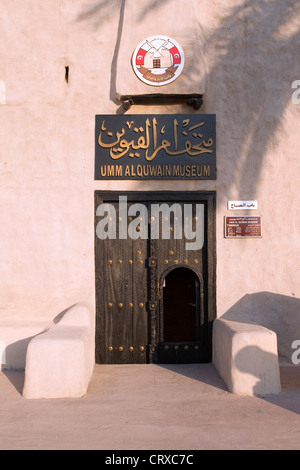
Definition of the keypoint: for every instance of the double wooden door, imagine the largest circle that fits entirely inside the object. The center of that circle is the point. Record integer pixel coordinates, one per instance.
(155, 296)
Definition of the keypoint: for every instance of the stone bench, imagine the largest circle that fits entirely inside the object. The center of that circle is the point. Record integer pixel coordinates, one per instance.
(245, 355)
(59, 362)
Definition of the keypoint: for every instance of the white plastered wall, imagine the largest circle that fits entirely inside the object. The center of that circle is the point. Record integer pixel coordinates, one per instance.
(248, 56)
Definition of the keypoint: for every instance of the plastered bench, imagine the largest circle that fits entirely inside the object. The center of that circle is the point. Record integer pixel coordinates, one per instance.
(14, 340)
(59, 362)
(245, 355)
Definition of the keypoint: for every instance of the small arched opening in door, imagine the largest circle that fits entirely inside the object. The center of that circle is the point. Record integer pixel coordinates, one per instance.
(181, 306)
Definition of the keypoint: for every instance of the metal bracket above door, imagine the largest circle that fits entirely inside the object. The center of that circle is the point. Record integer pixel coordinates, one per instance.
(195, 100)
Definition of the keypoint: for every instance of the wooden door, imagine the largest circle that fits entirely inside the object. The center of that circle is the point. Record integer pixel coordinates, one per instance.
(121, 298)
(178, 268)
(133, 314)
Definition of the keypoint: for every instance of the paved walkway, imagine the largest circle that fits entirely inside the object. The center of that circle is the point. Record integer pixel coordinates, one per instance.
(152, 407)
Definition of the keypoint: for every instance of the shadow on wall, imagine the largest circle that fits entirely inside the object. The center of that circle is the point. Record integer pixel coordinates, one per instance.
(249, 84)
(250, 66)
(276, 312)
(248, 361)
(13, 358)
(14, 354)
(14, 362)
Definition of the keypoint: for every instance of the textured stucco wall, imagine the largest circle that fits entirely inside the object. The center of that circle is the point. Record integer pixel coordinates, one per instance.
(242, 54)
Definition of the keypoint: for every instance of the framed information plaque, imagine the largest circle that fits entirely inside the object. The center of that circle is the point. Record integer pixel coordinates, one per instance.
(243, 226)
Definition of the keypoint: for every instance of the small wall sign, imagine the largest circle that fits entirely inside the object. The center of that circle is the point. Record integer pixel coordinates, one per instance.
(158, 60)
(241, 205)
(243, 227)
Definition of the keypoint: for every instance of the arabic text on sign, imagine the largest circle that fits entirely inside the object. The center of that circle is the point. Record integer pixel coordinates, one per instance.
(150, 139)
(246, 205)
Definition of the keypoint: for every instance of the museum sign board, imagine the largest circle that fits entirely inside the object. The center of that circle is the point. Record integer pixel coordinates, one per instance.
(172, 146)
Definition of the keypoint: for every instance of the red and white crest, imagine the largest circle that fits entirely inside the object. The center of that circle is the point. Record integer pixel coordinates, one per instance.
(158, 60)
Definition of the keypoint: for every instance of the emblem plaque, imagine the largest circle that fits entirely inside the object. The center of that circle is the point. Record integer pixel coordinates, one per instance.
(158, 60)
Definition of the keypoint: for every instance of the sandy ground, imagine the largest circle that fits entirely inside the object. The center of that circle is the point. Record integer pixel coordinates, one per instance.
(152, 407)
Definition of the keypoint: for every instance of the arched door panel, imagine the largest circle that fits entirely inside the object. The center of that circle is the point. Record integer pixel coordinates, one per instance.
(181, 317)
